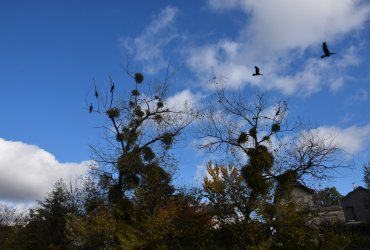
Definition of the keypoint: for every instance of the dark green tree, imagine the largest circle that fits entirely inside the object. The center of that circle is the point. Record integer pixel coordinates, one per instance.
(45, 228)
(327, 197)
(366, 173)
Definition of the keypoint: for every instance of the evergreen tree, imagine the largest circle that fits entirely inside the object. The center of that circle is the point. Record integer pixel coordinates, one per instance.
(366, 172)
(327, 197)
(45, 228)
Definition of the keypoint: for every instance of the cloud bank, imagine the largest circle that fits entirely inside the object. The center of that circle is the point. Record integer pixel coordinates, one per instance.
(29, 172)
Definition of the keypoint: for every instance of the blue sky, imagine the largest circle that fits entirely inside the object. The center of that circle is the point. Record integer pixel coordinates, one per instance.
(52, 51)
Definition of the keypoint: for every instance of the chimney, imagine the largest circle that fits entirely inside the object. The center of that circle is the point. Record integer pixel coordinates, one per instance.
(354, 185)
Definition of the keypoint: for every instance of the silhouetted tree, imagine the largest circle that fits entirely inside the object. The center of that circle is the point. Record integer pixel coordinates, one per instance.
(10, 219)
(366, 173)
(327, 197)
(46, 224)
(140, 130)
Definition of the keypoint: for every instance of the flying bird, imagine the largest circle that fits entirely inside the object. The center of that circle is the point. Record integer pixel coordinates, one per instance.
(91, 108)
(257, 73)
(326, 50)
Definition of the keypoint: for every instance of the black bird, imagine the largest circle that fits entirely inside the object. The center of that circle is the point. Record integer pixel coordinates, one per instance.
(277, 112)
(257, 73)
(326, 50)
(96, 93)
(91, 108)
(112, 87)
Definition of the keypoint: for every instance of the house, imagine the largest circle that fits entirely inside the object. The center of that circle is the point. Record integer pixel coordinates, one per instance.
(303, 197)
(330, 214)
(356, 205)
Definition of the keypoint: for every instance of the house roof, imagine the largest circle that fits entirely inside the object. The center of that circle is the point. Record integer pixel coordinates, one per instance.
(300, 185)
(356, 190)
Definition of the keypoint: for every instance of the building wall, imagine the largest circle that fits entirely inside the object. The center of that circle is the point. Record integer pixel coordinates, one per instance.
(301, 197)
(355, 206)
(331, 214)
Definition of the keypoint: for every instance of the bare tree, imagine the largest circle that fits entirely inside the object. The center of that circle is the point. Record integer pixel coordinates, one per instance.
(7, 215)
(309, 153)
(235, 126)
(140, 128)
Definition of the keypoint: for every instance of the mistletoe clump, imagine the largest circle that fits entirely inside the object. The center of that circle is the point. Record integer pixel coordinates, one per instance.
(113, 113)
(135, 92)
(243, 137)
(139, 78)
(275, 128)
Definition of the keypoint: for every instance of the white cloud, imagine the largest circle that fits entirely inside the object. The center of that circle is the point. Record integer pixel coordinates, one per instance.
(221, 59)
(29, 172)
(336, 84)
(286, 24)
(360, 96)
(353, 139)
(200, 173)
(276, 36)
(222, 5)
(305, 81)
(183, 99)
(301, 23)
(148, 46)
